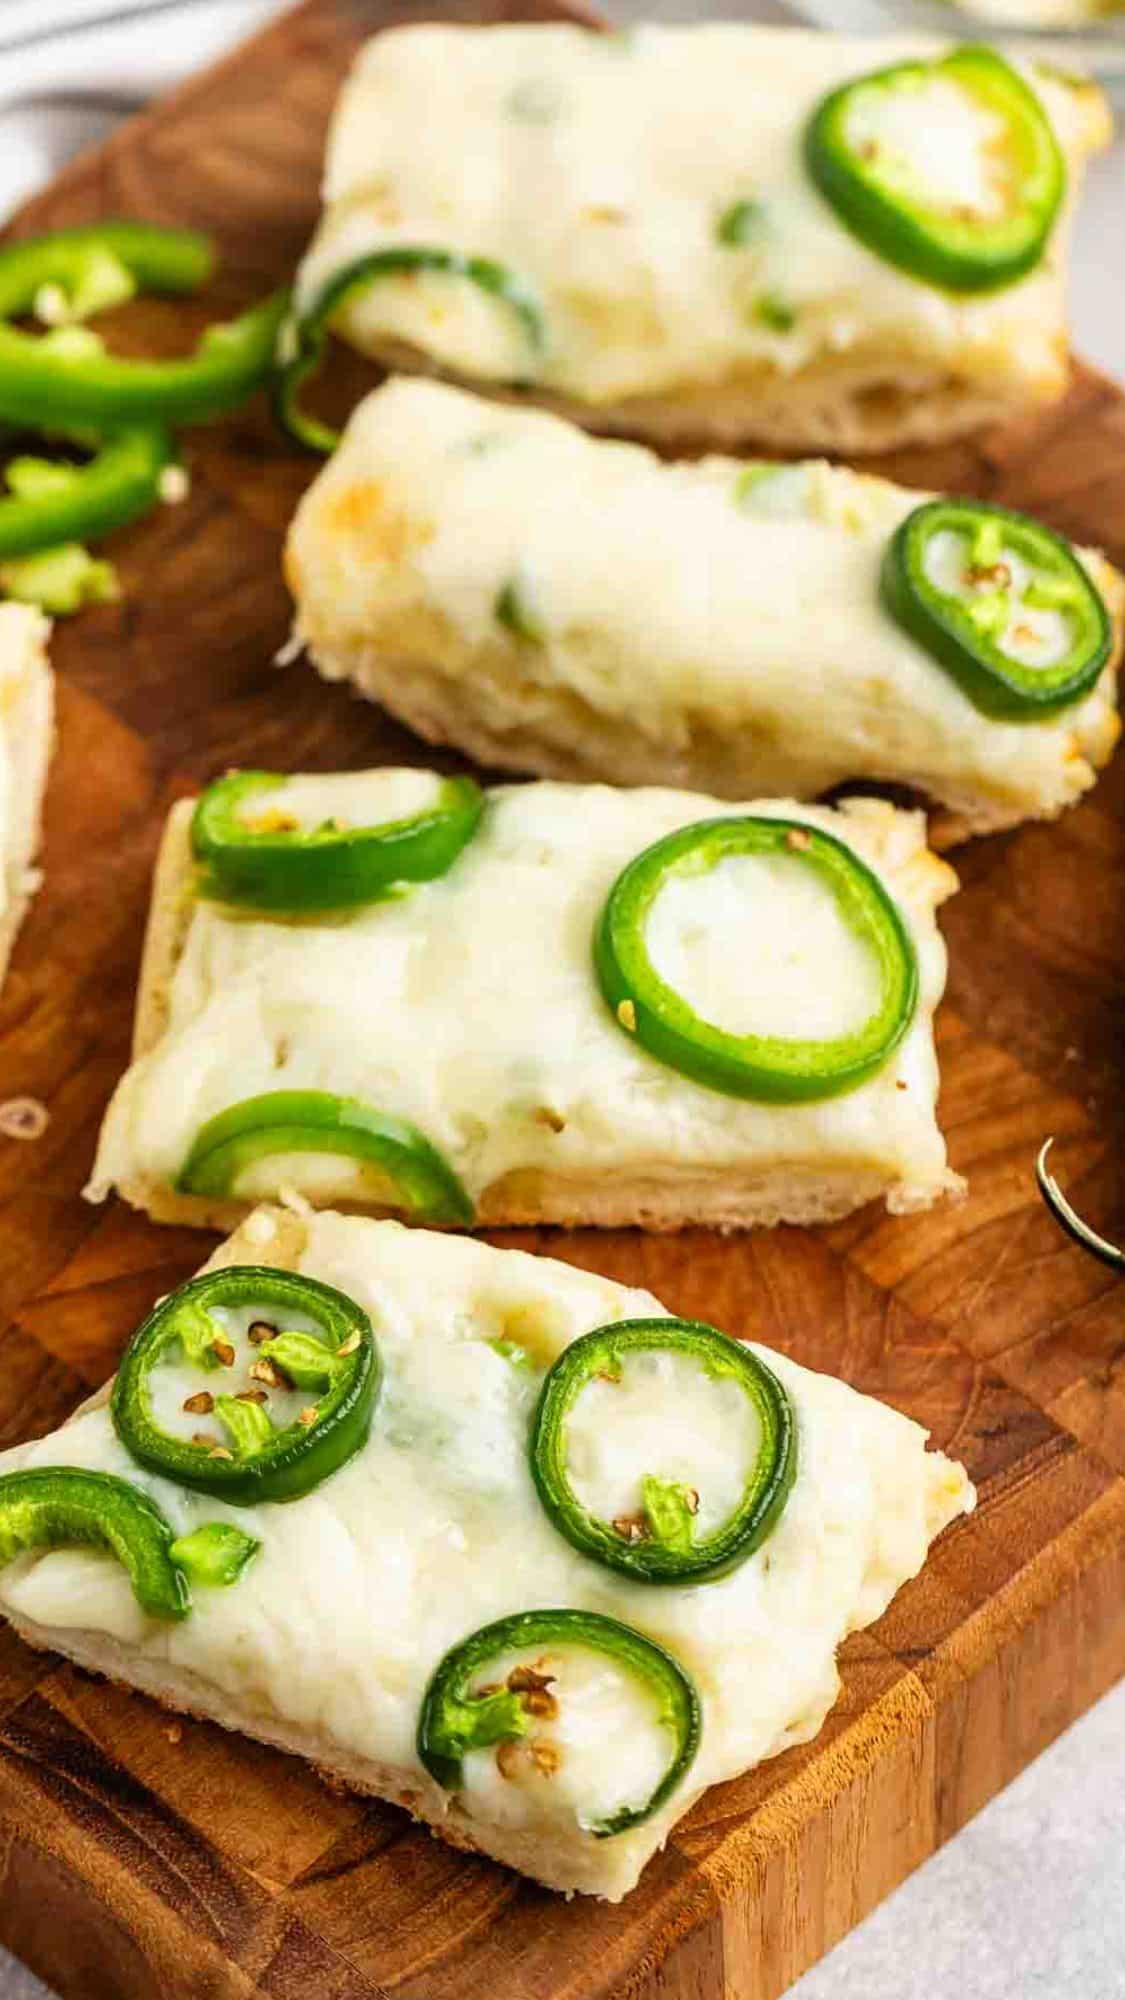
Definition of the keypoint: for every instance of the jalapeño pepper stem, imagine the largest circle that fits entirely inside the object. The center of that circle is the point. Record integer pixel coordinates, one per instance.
(772, 1068)
(270, 867)
(456, 1716)
(863, 168)
(302, 340)
(46, 382)
(663, 1548)
(1002, 602)
(52, 502)
(61, 1506)
(1069, 1219)
(316, 1121)
(291, 1459)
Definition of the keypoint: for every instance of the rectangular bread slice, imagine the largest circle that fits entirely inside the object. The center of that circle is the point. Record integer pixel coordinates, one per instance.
(469, 1007)
(26, 738)
(553, 603)
(433, 1529)
(597, 171)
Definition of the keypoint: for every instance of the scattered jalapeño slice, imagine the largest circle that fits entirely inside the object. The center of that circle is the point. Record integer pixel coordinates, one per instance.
(1002, 602)
(878, 157)
(255, 853)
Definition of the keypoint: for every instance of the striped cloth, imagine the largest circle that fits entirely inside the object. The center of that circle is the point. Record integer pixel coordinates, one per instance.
(70, 69)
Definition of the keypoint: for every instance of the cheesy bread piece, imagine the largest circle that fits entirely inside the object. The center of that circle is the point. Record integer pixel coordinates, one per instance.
(556, 603)
(649, 248)
(319, 1622)
(26, 737)
(482, 1013)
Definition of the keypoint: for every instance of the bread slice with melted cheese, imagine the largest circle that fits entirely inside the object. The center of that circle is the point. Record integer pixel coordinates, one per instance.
(326, 1642)
(26, 738)
(469, 1006)
(595, 169)
(553, 603)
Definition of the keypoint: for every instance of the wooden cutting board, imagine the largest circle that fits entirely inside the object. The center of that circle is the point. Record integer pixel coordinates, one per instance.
(141, 1856)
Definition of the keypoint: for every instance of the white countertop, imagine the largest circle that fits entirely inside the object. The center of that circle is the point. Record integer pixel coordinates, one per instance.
(1029, 1900)
(1026, 1903)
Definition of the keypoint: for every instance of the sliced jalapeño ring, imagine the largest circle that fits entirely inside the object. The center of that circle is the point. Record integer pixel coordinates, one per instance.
(301, 342)
(463, 1709)
(279, 1123)
(65, 1506)
(264, 1344)
(255, 853)
(659, 1540)
(771, 1067)
(1002, 602)
(865, 148)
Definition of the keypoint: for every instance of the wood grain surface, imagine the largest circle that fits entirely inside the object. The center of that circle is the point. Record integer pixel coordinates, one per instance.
(142, 1857)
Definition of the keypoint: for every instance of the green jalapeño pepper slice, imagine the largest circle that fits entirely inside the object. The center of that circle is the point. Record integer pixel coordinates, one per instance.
(463, 1709)
(59, 580)
(50, 503)
(771, 1068)
(263, 858)
(65, 378)
(1002, 602)
(61, 1506)
(866, 150)
(230, 1325)
(316, 1121)
(301, 341)
(658, 1543)
(69, 274)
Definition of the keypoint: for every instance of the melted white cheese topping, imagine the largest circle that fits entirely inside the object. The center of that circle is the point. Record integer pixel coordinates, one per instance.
(665, 1416)
(693, 933)
(434, 1529)
(930, 141)
(469, 1005)
(596, 167)
(670, 598)
(25, 743)
(344, 797)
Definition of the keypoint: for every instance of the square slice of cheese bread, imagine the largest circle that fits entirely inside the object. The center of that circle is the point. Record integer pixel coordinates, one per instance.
(26, 738)
(469, 1006)
(555, 603)
(596, 171)
(433, 1529)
